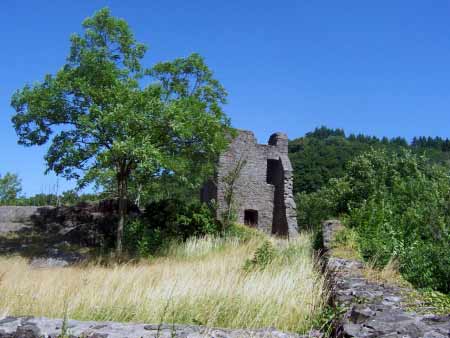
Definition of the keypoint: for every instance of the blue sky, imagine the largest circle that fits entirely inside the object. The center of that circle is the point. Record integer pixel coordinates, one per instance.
(379, 67)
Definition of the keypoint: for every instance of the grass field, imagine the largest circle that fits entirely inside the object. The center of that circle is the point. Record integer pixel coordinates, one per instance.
(201, 281)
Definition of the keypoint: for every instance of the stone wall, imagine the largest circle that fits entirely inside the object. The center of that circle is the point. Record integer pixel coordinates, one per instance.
(373, 309)
(17, 213)
(16, 218)
(289, 203)
(29, 327)
(90, 224)
(264, 184)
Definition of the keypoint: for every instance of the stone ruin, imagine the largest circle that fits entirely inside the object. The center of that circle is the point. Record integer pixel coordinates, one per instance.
(262, 188)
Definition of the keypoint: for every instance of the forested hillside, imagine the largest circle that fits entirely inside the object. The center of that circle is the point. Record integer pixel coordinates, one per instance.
(393, 197)
(323, 153)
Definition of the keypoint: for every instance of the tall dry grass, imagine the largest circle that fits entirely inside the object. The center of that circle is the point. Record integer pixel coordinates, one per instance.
(201, 282)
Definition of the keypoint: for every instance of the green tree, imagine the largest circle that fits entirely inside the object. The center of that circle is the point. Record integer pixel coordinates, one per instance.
(10, 188)
(108, 116)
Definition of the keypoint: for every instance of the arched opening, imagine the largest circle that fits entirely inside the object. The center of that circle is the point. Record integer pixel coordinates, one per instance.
(251, 218)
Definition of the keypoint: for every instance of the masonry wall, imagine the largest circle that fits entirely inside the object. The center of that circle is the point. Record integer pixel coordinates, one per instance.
(257, 189)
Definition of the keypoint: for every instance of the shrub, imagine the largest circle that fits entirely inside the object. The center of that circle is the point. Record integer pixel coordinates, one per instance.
(180, 219)
(374, 232)
(262, 257)
(403, 214)
(427, 265)
(312, 208)
(141, 240)
(166, 221)
(398, 204)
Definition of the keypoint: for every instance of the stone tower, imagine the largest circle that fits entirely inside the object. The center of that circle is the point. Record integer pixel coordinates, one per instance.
(263, 188)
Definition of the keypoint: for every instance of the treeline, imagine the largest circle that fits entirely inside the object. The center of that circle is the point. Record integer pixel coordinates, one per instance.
(11, 194)
(431, 142)
(323, 153)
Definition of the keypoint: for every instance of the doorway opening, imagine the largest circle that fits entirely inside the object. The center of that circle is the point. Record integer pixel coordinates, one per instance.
(251, 218)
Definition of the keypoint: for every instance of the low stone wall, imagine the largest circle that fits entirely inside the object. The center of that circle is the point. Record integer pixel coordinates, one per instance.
(15, 218)
(12, 327)
(16, 214)
(374, 309)
(86, 224)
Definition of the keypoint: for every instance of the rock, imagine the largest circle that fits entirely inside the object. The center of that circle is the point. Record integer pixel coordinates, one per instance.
(360, 314)
(27, 327)
(7, 227)
(28, 331)
(87, 224)
(329, 230)
(435, 334)
(17, 214)
(375, 309)
(56, 258)
(48, 263)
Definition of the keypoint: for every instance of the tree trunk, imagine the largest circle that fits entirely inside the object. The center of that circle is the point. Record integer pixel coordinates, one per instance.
(137, 201)
(122, 195)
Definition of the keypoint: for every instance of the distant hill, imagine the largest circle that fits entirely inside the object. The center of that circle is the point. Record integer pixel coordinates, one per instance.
(323, 153)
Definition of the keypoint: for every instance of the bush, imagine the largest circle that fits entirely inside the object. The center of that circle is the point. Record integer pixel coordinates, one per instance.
(262, 257)
(398, 204)
(141, 240)
(312, 209)
(374, 232)
(165, 221)
(427, 265)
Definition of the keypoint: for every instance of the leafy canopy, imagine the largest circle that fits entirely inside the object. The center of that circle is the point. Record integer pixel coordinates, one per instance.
(102, 120)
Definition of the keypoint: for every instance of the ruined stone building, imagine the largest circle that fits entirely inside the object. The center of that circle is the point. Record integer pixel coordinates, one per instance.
(262, 189)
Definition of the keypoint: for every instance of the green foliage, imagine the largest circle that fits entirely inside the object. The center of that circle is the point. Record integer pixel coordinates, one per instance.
(10, 188)
(262, 257)
(313, 208)
(140, 240)
(398, 204)
(439, 301)
(71, 197)
(229, 215)
(345, 244)
(346, 237)
(165, 221)
(401, 211)
(427, 264)
(39, 200)
(426, 300)
(324, 153)
(242, 232)
(109, 119)
(67, 198)
(437, 149)
(327, 319)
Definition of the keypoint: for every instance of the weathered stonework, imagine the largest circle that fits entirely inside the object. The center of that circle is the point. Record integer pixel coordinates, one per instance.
(262, 192)
(372, 309)
(34, 327)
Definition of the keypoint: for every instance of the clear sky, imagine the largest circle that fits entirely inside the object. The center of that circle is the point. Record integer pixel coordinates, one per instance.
(375, 67)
